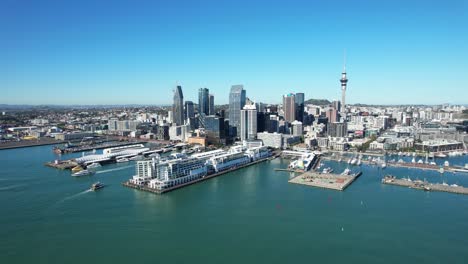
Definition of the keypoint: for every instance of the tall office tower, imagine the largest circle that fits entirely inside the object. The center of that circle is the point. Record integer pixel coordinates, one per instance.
(337, 105)
(299, 98)
(189, 110)
(178, 106)
(203, 101)
(331, 114)
(236, 103)
(289, 107)
(344, 82)
(211, 110)
(337, 129)
(248, 120)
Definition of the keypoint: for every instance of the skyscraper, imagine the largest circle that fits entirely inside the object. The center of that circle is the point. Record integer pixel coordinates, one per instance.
(211, 110)
(248, 120)
(236, 103)
(203, 101)
(178, 106)
(189, 110)
(299, 98)
(289, 107)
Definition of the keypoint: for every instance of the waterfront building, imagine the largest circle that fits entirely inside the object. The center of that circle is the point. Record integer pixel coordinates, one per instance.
(179, 132)
(177, 170)
(189, 110)
(299, 99)
(203, 101)
(438, 145)
(178, 106)
(211, 105)
(122, 126)
(73, 136)
(277, 140)
(289, 107)
(228, 160)
(144, 172)
(237, 97)
(248, 120)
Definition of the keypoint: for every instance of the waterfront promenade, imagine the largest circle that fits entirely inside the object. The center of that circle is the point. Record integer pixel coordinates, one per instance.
(426, 186)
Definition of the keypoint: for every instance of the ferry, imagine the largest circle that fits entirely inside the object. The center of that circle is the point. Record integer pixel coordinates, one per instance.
(93, 165)
(83, 173)
(96, 186)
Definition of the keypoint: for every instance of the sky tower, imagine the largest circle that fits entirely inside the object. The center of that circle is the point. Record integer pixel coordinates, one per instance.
(344, 82)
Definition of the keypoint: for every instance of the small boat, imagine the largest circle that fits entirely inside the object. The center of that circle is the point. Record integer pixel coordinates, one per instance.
(353, 161)
(359, 162)
(120, 160)
(93, 165)
(327, 170)
(346, 172)
(77, 169)
(440, 155)
(444, 183)
(97, 186)
(454, 185)
(446, 163)
(420, 161)
(432, 163)
(83, 173)
(384, 165)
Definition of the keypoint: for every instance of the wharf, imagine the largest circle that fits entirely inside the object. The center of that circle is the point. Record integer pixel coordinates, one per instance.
(96, 146)
(325, 180)
(151, 190)
(423, 185)
(63, 165)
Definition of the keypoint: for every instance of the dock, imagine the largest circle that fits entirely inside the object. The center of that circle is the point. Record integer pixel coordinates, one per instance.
(325, 180)
(210, 176)
(424, 185)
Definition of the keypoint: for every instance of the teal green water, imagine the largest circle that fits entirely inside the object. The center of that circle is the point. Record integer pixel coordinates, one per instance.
(248, 216)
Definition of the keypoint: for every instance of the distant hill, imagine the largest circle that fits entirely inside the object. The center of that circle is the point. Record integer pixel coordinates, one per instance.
(317, 102)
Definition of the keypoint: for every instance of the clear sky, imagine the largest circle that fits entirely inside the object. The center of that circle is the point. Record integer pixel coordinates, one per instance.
(134, 52)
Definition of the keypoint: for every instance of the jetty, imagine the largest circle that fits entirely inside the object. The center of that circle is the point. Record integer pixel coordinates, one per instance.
(424, 185)
(325, 180)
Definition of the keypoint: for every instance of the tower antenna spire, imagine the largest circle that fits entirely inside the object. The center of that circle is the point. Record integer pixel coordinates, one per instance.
(344, 60)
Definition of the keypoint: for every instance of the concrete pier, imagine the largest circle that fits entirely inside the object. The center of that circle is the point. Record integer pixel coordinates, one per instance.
(325, 180)
(423, 185)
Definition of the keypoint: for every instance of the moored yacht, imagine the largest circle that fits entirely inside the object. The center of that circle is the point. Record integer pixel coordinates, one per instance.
(83, 173)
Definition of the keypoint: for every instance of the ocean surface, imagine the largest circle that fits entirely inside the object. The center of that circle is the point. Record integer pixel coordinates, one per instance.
(248, 216)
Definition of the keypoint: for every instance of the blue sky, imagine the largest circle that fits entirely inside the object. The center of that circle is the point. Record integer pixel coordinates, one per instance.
(134, 52)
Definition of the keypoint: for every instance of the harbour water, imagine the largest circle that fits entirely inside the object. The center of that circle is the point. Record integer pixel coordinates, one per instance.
(247, 216)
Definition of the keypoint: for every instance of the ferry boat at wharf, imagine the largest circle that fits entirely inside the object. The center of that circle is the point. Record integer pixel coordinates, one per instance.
(177, 170)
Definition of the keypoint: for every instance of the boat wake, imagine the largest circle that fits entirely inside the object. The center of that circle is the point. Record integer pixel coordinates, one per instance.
(116, 169)
(74, 196)
(11, 187)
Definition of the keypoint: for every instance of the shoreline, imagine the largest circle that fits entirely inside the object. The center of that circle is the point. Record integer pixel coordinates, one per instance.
(30, 144)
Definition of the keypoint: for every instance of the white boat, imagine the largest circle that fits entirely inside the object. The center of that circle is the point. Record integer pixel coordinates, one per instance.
(432, 163)
(93, 165)
(353, 161)
(401, 161)
(327, 170)
(446, 163)
(120, 160)
(440, 155)
(444, 183)
(359, 162)
(420, 161)
(346, 172)
(83, 173)
(413, 160)
(454, 185)
(384, 165)
(349, 161)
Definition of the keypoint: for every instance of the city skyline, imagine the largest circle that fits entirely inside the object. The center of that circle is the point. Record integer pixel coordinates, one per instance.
(60, 53)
